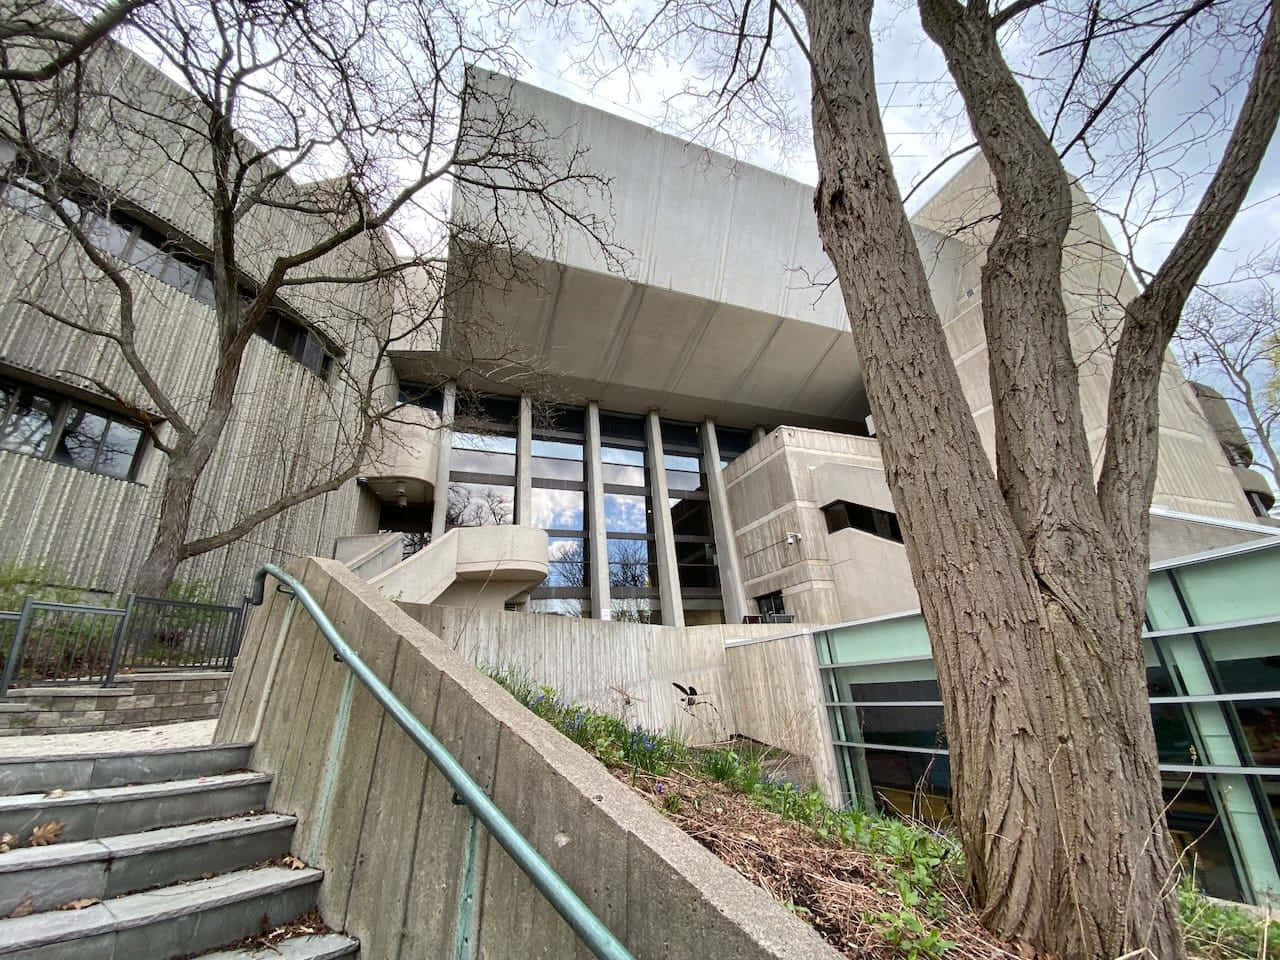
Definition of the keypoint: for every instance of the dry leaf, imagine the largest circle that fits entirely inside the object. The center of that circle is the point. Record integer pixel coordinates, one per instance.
(79, 904)
(23, 908)
(7, 842)
(292, 862)
(58, 792)
(46, 833)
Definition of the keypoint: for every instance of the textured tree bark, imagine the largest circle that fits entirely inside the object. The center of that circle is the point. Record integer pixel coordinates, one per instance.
(1032, 611)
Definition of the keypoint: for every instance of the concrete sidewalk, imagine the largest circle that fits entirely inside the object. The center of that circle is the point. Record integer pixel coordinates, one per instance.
(193, 733)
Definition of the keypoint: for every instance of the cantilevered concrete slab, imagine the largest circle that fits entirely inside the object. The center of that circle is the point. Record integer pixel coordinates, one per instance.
(722, 296)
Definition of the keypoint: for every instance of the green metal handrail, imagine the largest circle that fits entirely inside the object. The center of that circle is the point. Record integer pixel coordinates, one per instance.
(589, 928)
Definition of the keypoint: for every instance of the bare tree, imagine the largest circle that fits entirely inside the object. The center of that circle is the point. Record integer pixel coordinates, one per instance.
(1230, 337)
(303, 155)
(1031, 576)
(56, 37)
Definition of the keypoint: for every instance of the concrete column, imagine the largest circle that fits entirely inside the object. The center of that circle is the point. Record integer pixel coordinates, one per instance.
(757, 434)
(524, 463)
(735, 597)
(438, 511)
(598, 552)
(664, 536)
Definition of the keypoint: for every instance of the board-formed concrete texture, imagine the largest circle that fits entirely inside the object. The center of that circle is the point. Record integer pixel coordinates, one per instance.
(626, 669)
(397, 851)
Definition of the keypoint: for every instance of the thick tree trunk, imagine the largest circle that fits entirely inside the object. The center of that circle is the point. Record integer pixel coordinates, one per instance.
(161, 564)
(1032, 612)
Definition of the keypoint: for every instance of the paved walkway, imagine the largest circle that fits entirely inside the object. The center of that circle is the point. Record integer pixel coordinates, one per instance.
(193, 733)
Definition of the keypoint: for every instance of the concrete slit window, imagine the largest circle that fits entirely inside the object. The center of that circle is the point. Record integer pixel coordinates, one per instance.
(41, 423)
(772, 608)
(421, 395)
(842, 515)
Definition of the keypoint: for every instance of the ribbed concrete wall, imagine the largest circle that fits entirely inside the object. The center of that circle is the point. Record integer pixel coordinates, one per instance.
(1193, 475)
(594, 661)
(286, 424)
(405, 868)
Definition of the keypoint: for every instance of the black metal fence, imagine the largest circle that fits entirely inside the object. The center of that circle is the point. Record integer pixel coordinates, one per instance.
(49, 643)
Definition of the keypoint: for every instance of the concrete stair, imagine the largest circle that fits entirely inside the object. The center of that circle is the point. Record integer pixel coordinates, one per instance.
(168, 854)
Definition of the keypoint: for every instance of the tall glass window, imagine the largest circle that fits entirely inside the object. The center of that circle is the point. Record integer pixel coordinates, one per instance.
(690, 507)
(560, 508)
(482, 469)
(628, 520)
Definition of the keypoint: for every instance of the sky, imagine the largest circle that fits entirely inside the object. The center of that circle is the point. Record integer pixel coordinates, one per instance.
(924, 121)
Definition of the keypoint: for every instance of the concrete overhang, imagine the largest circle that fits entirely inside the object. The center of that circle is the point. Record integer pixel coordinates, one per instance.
(633, 346)
(713, 298)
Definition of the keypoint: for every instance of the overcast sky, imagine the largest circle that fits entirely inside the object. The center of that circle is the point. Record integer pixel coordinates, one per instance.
(923, 118)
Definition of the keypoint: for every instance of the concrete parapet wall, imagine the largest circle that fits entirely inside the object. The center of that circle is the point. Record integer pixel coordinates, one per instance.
(139, 701)
(407, 870)
(594, 661)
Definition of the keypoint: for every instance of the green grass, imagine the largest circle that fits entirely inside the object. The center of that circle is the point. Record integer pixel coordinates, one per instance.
(1221, 932)
(917, 856)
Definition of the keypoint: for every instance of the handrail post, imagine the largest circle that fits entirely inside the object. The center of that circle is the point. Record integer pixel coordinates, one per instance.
(122, 632)
(15, 651)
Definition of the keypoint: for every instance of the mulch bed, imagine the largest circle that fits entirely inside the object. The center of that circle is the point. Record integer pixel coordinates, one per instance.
(838, 890)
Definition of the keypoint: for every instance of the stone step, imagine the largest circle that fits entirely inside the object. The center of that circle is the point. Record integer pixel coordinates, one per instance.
(112, 811)
(175, 921)
(328, 946)
(85, 772)
(54, 875)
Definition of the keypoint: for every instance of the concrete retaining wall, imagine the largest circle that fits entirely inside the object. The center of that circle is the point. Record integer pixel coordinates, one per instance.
(137, 701)
(780, 701)
(593, 661)
(406, 870)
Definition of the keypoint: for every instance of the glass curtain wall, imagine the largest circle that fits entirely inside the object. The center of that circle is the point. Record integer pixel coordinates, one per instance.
(628, 520)
(733, 442)
(482, 474)
(1212, 650)
(694, 536)
(560, 507)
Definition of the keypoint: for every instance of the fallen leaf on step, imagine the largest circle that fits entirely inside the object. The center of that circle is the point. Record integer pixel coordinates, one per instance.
(46, 833)
(24, 907)
(7, 842)
(292, 862)
(79, 904)
(58, 792)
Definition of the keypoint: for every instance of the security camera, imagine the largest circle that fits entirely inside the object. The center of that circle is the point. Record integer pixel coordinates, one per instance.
(793, 537)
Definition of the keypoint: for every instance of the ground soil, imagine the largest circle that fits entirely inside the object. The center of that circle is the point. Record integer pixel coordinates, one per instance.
(838, 890)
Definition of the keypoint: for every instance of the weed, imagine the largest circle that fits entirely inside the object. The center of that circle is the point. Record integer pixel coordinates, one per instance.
(1218, 931)
(18, 580)
(910, 937)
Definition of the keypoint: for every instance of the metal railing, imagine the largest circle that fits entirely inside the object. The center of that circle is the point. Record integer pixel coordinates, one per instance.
(589, 928)
(53, 644)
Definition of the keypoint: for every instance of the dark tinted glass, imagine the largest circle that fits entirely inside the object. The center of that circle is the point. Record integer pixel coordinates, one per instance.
(81, 435)
(1196, 825)
(29, 422)
(119, 449)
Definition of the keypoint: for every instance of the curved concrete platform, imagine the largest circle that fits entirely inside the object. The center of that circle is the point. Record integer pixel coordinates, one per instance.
(470, 566)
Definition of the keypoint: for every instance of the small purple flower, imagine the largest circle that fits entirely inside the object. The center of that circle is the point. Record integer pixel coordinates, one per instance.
(659, 789)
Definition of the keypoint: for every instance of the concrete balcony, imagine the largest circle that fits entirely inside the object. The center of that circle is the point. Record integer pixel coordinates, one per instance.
(470, 566)
(402, 464)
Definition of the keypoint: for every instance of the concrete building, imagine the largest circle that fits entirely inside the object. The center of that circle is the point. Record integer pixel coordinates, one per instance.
(710, 455)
